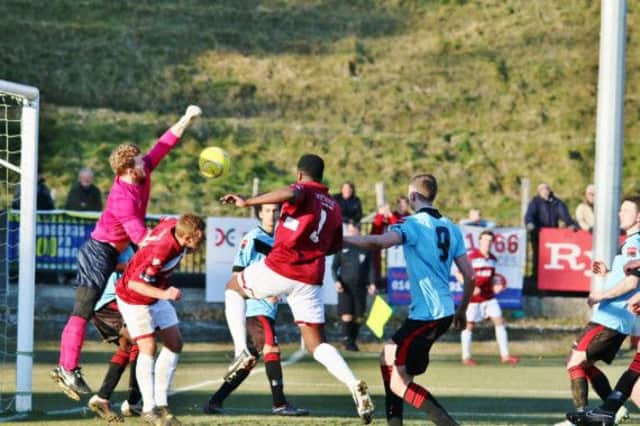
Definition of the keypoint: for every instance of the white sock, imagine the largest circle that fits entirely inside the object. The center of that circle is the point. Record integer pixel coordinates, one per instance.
(165, 368)
(144, 374)
(465, 338)
(329, 356)
(503, 342)
(234, 310)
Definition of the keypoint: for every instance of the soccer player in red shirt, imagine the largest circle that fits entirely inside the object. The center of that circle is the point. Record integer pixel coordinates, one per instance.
(143, 295)
(483, 302)
(309, 228)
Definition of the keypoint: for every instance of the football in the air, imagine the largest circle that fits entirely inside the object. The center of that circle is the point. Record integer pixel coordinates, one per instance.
(214, 162)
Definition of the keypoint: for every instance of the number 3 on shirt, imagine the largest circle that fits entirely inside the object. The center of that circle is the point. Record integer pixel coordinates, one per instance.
(315, 235)
(444, 241)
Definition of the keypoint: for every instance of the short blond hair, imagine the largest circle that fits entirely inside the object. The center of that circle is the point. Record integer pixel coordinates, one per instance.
(426, 185)
(190, 225)
(122, 158)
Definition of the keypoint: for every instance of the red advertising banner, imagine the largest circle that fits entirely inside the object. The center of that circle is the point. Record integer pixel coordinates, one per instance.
(564, 262)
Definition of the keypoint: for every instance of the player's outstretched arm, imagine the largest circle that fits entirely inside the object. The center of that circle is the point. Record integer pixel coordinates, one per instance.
(274, 197)
(190, 114)
(624, 286)
(374, 242)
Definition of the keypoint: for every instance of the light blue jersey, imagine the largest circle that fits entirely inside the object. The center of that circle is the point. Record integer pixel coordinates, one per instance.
(254, 247)
(109, 293)
(430, 243)
(613, 313)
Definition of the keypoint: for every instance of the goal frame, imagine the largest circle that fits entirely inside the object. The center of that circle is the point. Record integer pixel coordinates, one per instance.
(28, 194)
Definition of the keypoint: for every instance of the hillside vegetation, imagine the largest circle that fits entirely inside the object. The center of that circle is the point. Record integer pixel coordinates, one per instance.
(480, 93)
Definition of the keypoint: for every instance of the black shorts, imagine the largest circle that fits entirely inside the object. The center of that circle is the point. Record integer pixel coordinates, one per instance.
(96, 262)
(109, 322)
(414, 340)
(261, 331)
(352, 301)
(599, 342)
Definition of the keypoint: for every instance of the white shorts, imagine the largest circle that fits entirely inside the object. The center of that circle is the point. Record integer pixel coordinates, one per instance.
(477, 312)
(258, 282)
(142, 320)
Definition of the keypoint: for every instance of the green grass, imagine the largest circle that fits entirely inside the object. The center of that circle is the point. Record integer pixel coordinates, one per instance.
(535, 392)
(481, 93)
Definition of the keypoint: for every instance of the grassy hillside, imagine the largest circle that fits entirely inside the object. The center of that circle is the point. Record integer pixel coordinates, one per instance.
(481, 93)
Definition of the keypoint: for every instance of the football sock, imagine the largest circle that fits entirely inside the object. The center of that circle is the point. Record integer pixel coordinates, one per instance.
(355, 329)
(72, 341)
(165, 368)
(347, 327)
(393, 404)
(117, 365)
(579, 389)
(503, 341)
(599, 381)
(134, 390)
(144, 374)
(234, 310)
(227, 387)
(421, 399)
(329, 356)
(274, 374)
(624, 386)
(465, 339)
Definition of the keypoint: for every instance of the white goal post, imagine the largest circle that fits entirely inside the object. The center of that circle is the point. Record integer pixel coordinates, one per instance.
(27, 169)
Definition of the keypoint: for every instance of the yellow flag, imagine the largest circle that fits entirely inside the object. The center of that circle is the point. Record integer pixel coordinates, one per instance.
(378, 316)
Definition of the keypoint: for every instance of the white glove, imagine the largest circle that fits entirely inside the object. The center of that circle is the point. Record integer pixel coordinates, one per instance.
(192, 111)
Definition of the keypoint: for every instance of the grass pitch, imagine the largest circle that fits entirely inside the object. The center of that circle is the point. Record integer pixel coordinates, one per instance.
(535, 392)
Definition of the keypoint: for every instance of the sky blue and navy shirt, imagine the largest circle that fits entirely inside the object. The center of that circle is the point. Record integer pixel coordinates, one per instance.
(254, 247)
(430, 243)
(613, 313)
(109, 293)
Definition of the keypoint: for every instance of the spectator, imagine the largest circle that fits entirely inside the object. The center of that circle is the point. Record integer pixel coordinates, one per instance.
(350, 205)
(44, 198)
(584, 211)
(476, 219)
(84, 195)
(353, 274)
(545, 211)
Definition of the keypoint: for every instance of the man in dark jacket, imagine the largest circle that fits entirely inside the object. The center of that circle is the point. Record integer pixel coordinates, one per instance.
(44, 200)
(545, 211)
(350, 205)
(84, 195)
(353, 272)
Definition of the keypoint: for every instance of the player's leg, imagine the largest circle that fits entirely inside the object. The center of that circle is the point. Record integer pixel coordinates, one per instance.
(235, 311)
(414, 340)
(346, 310)
(308, 312)
(494, 313)
(474, 315)
(232, 381)
(96, 261)
(394, 404)
(132, 406)
(165, 322)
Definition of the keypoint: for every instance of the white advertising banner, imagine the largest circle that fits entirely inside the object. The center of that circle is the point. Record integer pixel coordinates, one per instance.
(223, 241)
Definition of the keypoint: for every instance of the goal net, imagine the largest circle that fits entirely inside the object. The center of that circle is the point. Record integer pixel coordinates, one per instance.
(19, 108)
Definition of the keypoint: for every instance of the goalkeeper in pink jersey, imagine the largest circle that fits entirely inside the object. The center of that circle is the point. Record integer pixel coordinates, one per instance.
(121, 223)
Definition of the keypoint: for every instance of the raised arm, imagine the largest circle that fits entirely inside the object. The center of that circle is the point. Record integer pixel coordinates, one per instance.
(373, 242)
(171, 137)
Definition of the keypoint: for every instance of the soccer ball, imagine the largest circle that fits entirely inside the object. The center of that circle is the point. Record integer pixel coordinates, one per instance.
(214, 162)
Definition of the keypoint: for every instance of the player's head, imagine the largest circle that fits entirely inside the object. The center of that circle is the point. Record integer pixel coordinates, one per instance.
(268, 215)
(423, 189)
(630, 213)
(485, 240)
(126, 160)
(190, 231)
(352, 227)
(310, 166)
(403, 205)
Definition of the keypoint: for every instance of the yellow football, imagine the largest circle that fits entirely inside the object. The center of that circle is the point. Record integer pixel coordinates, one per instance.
(214, 162)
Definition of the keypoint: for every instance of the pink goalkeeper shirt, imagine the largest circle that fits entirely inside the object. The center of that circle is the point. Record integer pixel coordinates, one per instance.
(123, 217)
